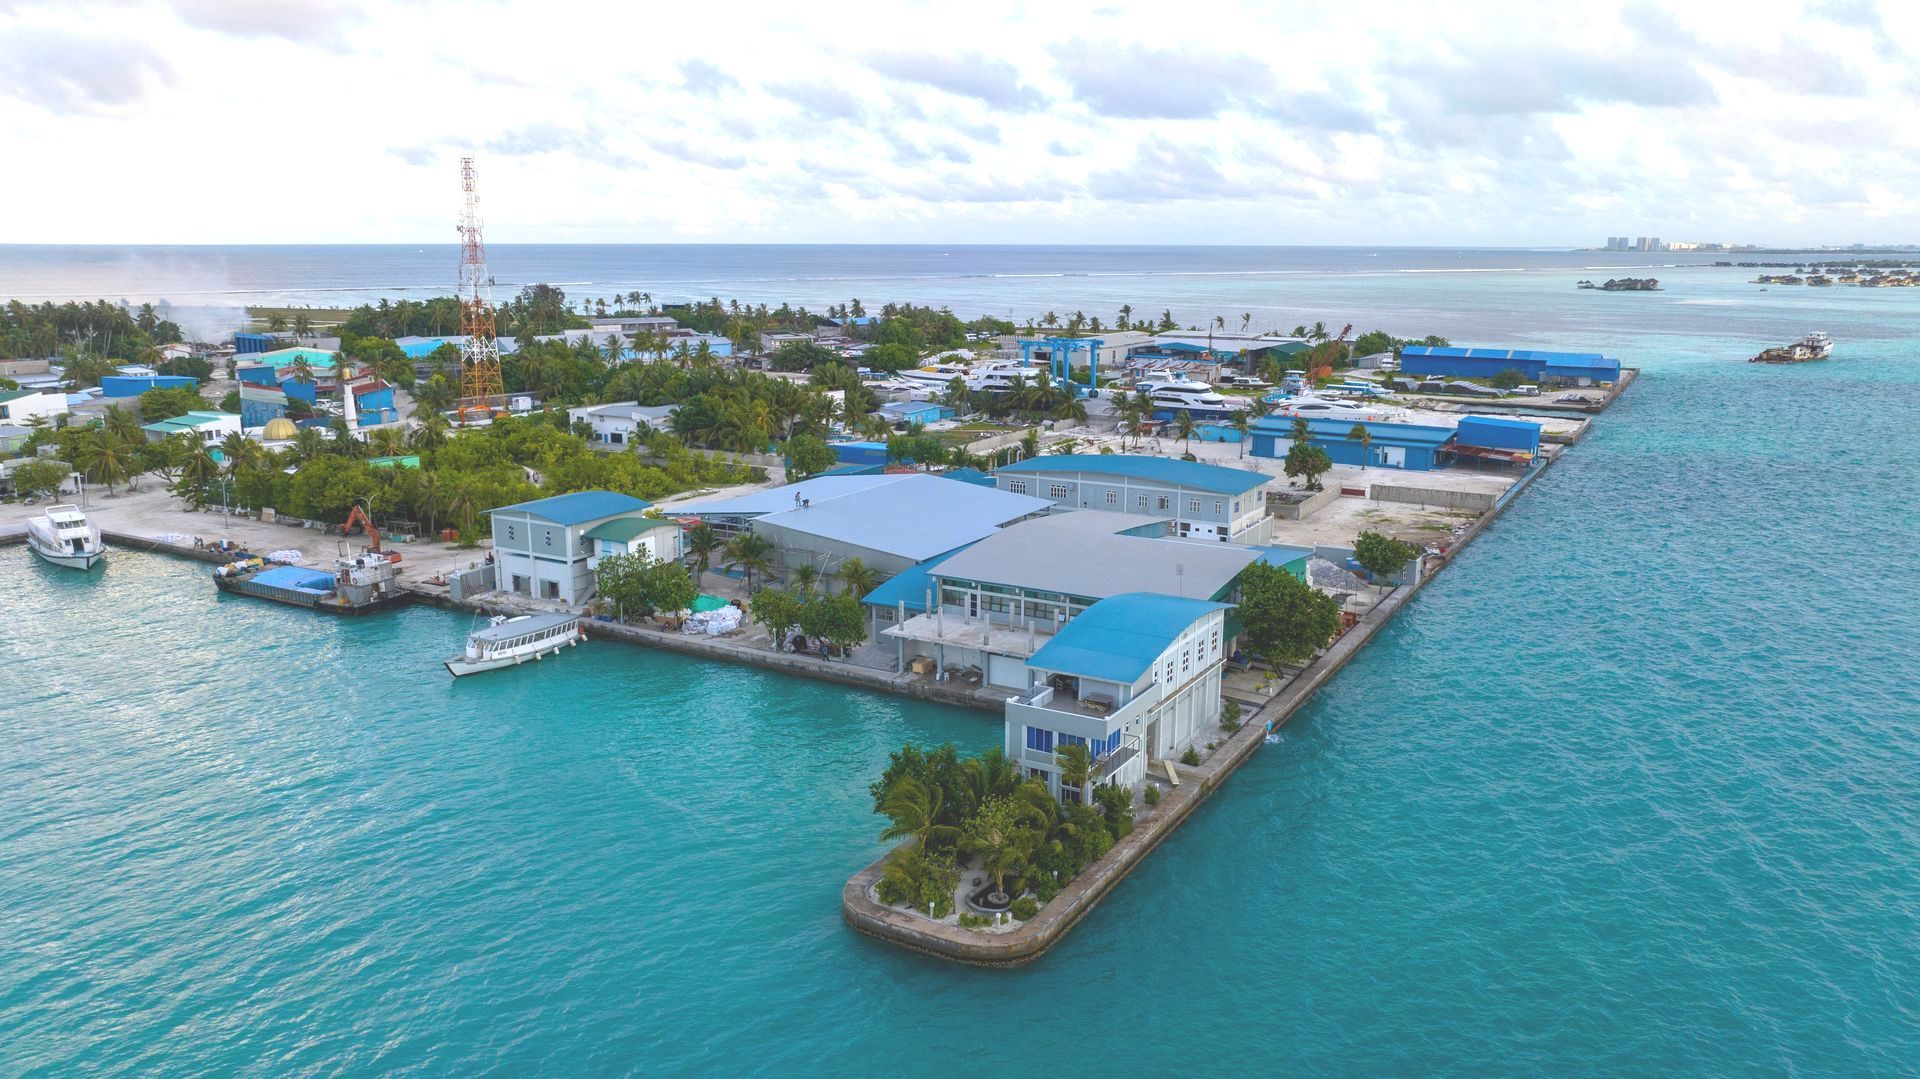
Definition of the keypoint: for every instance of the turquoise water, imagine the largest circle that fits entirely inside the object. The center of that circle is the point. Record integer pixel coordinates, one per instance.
(1631, 788)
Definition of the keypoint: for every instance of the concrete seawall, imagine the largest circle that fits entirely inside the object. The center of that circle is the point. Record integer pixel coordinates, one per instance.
(1033, 938)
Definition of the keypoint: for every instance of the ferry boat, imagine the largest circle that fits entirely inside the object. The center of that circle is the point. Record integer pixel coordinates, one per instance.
(359, 584)
(64, 537)
(1814, 346)
(510, 641)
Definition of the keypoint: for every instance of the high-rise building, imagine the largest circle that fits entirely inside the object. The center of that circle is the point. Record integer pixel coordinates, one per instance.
(1644, 243)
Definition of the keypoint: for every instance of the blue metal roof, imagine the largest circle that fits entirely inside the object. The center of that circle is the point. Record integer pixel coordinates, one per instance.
(909, 585)
(1398, 434)
(578, 507)
(1118, 638)
(1563, 359)
(968, 475)
(1201, 477)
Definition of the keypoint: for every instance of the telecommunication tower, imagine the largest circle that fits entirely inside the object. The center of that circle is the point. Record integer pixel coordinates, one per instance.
(482, 393)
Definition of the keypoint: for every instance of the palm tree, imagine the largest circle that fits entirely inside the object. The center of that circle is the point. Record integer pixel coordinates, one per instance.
(915, 811)
(197, 475)
(344, 443)
(857, 578)
(1126, 315)
(308, 443)
(431, 434)
(1242, 422)
(276, 323)
(429, 500)
(386, 442)
(122, 425)
(802, 578)
(1184, 428)
(702, 543)
(239, 450)
(1319, 332)
(300, 370)
(302, 327)
(108, 463)
(1076, 769)
(750, 553)
(464, 510)
(994, 836)
(1364, 436)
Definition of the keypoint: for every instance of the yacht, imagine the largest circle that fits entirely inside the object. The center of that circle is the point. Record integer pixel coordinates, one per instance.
(1318, 408)
(509, 641)
(1197, 399)
(937, 376)
(64, 537)
(999, 377)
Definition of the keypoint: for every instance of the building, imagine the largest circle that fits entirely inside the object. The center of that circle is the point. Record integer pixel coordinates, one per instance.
(116, 386)
(270, 368)
(911, 412)
(622, 423)
(17, 407)
(889, 522)
(860, 453)
(541, 549)
(1134, 678)
(208, 427)
(68, 486)
(772, 342)
(629, 325)
(656, 537)
(373, 403)
(12, 437)
(1566, 368)
(997, 602)
(1204, 501)
(1414, 447)
(1498, 440)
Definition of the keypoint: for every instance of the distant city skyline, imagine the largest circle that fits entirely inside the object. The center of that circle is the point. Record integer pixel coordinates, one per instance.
(220, 121)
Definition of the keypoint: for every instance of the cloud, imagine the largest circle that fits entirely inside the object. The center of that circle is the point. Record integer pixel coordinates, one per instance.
(677, 146)
(73, 73)
(416, 155)
(1514, 82)
(550, 138)
(1162, 171)
(299, 21)
(820, 100)
(1143, 83)
(982, 78)
(703, 78)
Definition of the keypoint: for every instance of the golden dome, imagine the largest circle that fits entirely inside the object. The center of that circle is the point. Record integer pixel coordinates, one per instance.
(279, 429)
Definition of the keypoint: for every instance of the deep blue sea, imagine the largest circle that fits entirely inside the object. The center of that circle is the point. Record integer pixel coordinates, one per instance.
(1633, 788)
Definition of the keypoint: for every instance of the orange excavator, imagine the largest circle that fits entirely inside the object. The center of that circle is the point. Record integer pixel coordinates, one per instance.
(373, 534)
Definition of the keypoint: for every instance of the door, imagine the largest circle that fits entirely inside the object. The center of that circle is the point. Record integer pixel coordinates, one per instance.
(1008, 672)
(1393, 456)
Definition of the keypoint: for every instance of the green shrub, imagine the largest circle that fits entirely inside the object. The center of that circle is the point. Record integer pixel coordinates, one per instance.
(974, 921)
(1025, 908)
(1046, 888)
(1153, 795)
(1190, 758)
(1230, 716)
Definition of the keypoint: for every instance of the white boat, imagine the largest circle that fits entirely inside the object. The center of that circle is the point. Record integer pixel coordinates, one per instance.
(1316, 408)
(936, 376)
(1817, 344)
(64, 537)
(1000, 377)
(1196, 399)
(509, 641)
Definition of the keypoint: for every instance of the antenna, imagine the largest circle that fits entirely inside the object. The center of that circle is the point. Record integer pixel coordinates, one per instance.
(481, 388)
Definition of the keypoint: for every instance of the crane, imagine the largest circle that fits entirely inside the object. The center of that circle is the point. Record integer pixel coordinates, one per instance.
(360, 515)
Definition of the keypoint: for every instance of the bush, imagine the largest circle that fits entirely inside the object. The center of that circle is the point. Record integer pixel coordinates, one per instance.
(974, 921)
(1507, 378)
(1025, 908)
(1153, 795)
(1046, 887)
(1190, 758)
(1230, 716)
(1382, 556)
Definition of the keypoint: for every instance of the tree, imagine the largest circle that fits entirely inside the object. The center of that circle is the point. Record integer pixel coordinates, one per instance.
(197, 476)
(1367, 344)
(751, 553)
(702, 542)
(40, 477)
(1362, 434)
(1382, 556)
(122, 425)
(914, 808)
(994, 836)
(1283, 619)
(165, 404)
(107, 462)
(839, 620)
(1308, 461)
(803, 577)
(1242, 424)
(778, 611)
(1076, 768)
(857, 578)
(808, 456)
(1184, 427)
(300, 370)
(1507, 378)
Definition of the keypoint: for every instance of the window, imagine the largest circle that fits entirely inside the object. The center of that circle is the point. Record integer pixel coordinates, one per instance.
(1018, 487)
(1140, 501)
(1186, 662)
(1219, 507)
(1041, 740)
(1071, 740)
(1193, 505)
(1168, 679)
(510, 532)
(1056, 490)
(1163, 502)
(1113, 742)
(1236, 507)
(546, 538)
(1113, 498)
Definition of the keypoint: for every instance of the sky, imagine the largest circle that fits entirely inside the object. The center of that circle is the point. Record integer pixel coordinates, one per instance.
(1198, 122)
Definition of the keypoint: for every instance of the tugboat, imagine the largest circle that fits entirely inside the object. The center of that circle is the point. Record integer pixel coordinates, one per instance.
(1814, 346)
(510, 641)
(358, 584)
(64, 537)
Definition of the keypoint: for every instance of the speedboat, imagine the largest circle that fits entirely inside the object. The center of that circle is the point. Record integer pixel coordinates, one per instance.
(510, 641)
(64, 537)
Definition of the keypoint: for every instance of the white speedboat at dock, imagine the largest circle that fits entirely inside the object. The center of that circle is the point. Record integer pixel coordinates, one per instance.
(64, 537)
(509, 641)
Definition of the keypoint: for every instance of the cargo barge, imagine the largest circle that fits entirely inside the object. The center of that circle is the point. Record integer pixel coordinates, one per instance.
(358, 585)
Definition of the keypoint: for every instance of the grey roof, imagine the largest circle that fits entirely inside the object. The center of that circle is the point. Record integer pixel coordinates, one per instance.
(910, 516)
(515, 627)
(1082, 554)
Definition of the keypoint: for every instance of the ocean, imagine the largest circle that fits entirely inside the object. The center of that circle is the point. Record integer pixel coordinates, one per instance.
(1630, 788)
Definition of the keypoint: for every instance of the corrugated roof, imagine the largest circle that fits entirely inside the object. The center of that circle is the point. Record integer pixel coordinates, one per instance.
(1566, 359)
(774, 499)
(1082, 553)
(623, 529)
(913, 516)
(1201, 477)
(909, 585)
(281, 357)
(578, 507)
(1119, 638)
(1404, 434)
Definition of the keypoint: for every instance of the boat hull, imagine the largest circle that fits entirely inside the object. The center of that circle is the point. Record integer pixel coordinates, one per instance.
(325, 604)
(461, 666)
(68, 559)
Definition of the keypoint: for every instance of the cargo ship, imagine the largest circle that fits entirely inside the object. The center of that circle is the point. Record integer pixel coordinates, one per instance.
(1814, 346)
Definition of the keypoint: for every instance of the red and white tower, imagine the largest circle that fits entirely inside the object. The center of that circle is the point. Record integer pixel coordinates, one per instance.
(482, 393)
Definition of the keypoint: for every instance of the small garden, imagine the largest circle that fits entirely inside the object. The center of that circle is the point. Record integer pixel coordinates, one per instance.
(967, 815)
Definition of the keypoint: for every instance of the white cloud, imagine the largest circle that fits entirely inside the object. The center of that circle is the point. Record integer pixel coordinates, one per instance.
(1226, 121)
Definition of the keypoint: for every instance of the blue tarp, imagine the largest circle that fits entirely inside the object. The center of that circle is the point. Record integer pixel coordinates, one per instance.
(306, 580)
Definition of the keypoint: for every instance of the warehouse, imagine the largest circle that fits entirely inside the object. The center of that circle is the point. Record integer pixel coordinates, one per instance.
(1205, 501)
(1497, 440)
(909, 412)
(1387, 445)
(208, 427)
(1546, 368)
(135, 385)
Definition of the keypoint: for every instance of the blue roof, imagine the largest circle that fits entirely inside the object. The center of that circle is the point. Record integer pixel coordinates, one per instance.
(578, 507)
(1200, 477)
(1559, 359)
(909, 585)
(1118, 638)
(1399, 434)
(968, 475)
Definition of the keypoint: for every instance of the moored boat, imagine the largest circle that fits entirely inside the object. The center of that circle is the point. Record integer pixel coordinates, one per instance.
(1814, 346)
(510, 641)
(64, 537)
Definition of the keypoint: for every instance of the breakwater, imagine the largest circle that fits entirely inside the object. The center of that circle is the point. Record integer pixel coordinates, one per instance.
(1034, 937)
